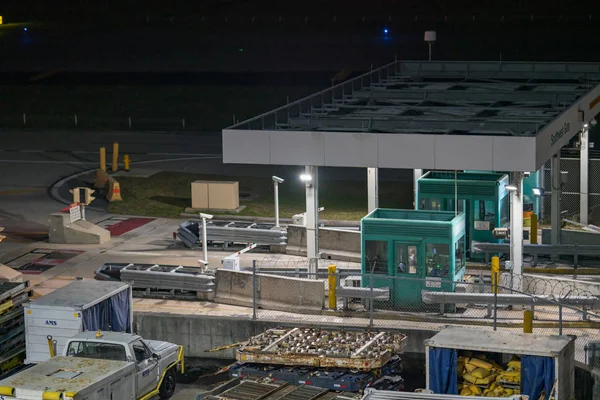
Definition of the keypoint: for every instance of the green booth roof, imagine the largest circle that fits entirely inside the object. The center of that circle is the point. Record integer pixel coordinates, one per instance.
(413, 223)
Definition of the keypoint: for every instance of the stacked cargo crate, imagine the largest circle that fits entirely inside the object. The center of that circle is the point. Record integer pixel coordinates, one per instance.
(12, 327)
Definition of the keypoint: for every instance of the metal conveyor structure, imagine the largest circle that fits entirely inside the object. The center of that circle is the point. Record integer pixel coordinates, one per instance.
(231, 232)
(162, 281)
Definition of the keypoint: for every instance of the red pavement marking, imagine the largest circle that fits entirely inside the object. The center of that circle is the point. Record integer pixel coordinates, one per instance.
(128, 225)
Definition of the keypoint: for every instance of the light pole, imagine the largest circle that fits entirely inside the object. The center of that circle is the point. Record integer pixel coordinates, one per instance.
(310, 178)
(204, 238)
(276, 181)
(430, 38)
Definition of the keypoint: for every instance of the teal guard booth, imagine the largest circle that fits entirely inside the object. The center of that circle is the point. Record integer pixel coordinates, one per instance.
(482, 197)
(412, 250)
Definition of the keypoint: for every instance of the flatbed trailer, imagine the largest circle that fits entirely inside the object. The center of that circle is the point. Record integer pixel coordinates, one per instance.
(322, 348)
(337, 379)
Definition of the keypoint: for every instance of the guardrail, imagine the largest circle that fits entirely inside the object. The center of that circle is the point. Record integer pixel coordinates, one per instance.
(536, 250)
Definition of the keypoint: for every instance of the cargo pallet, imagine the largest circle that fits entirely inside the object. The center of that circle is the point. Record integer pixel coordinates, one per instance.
(322, 348)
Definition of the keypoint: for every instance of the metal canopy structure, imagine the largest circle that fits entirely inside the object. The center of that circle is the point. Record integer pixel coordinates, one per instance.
(503, 116)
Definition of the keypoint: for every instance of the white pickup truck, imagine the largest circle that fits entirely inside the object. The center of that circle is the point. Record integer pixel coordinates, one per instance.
(100, 366)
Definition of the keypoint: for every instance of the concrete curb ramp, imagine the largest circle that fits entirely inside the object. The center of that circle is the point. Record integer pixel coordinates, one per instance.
(273, 292)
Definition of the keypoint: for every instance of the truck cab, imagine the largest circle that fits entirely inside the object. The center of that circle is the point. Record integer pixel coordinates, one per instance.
(156, 361)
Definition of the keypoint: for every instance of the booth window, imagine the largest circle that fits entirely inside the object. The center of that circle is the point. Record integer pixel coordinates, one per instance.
(431, 204)
(504, 211)
(450, 205)
(438, 260)
(459, 254)
(406, 261)
(376, 256)
(484, 211)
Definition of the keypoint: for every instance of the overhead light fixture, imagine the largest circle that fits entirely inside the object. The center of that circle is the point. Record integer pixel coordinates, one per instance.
(585, 126)
(511, 188)
(538, 191)
(593, 121)
(305, 177)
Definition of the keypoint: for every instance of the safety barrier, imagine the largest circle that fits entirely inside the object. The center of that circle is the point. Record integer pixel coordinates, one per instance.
(104, 180)
(270, 291)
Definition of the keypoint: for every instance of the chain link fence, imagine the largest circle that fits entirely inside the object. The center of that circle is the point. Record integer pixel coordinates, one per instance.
(571, 190)
(377, 301)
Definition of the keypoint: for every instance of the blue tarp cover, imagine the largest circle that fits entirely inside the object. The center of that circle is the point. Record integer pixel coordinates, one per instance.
(94, 318)
(537, 374)
(443, 370)
(119, 315)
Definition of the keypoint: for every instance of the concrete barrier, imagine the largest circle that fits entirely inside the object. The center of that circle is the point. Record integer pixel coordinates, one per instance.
(273, 292)
(334, 244)
(62, 230)
(7, 274)
(198, 333)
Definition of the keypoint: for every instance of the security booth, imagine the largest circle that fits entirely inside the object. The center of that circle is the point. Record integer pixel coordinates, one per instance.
(412, 250)
(481, 196)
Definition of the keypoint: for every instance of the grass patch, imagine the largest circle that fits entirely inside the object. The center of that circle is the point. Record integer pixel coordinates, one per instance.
(167, 194)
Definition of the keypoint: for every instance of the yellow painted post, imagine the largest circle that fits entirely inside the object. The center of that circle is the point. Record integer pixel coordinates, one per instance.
(115, 157)
(50, 346)
(103, 158)
(533, 234)
(126, 161)
(495, 273)
(332, 286)
(527, 321)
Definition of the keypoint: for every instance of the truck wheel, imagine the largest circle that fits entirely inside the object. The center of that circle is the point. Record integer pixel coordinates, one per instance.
(167, 387)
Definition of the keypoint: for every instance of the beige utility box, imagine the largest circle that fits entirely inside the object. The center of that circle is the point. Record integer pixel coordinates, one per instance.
(213, 195)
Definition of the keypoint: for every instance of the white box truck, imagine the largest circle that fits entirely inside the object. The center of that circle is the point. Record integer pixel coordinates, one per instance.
(82, 305)
(100, 366)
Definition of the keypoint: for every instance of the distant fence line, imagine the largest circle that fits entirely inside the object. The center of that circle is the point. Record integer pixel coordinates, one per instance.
(77, 121)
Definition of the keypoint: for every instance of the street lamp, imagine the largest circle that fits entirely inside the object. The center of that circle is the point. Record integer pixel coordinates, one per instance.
(276, 181)
(204, 239)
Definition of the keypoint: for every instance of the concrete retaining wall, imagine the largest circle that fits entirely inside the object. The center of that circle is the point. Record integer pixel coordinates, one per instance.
(198, 333)
(334, 244)
(273, 292)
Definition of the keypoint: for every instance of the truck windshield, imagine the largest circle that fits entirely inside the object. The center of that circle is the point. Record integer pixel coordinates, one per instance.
(104, 351)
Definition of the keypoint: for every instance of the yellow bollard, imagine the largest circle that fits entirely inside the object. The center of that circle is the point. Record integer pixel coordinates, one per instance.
(527, 321)
(332, 286)
(50, 346)
(115, 157)
(495, 273)
(533, 234)
(103, 158)
(126, 161)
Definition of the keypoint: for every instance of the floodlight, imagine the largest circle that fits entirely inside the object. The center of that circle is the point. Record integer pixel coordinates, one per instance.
(305, 177)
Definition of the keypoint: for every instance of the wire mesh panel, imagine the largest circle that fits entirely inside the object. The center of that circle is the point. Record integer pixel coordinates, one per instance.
(571, 190)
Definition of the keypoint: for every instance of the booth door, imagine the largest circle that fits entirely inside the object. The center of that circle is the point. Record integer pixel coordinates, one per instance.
(408, 275)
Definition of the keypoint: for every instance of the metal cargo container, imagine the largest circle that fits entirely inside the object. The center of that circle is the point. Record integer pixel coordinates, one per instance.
(559, 351)
(81, 305)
